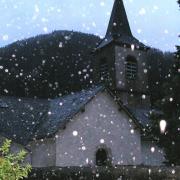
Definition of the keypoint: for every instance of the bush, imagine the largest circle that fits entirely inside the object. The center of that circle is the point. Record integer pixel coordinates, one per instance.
(11, 165)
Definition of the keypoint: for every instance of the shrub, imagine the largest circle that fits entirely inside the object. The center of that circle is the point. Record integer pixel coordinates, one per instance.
(11, 165)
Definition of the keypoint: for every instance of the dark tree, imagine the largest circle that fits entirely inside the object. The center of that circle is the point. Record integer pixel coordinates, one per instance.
(160, 68)
(170, 106)
(47, 65)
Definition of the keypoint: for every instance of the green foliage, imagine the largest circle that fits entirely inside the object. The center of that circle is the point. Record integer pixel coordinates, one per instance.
(11, 165)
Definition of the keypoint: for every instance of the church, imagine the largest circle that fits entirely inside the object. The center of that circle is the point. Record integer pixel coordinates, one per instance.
(100, 126)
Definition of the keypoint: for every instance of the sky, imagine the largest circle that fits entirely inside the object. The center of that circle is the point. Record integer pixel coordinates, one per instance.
(154, 22)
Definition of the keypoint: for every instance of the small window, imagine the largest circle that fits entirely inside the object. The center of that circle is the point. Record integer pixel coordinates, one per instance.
(131, 68)
(101, 157)
(104, 70)
(3, 104)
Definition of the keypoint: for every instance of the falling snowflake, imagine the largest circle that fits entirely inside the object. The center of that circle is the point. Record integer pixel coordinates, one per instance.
(162, 125)
(145, 71)
(87, 160)
(132, 47)
(60, 103)
(5, 37)
(142, 11)
(49, 113)
(60, 45)
(171, 99)
(75, 133)
(152, 149)
(132, 131)
(102, 3)
(45, 29)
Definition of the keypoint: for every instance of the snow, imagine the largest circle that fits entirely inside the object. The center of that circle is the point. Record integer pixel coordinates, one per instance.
(163, 125)
(102, 141)
(152, 149)
(142, 11)
(143, 96)
(75, 133)
(83, 148)
(5, 37)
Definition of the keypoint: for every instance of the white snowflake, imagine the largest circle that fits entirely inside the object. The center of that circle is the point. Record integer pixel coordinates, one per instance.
(75, 133)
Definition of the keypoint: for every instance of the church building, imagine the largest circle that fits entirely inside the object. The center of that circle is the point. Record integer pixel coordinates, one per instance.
(103, 125)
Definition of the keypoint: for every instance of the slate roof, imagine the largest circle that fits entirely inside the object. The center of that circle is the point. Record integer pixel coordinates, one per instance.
(119, 30)
(123, 41)
(23, 119)
(20, 119)
(142, 115)
(63, 109)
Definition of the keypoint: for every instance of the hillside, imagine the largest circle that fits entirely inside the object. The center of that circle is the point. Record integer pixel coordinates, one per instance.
(61, 62)
(47, 65)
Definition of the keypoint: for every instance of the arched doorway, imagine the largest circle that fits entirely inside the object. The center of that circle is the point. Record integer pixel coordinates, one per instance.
(101, 157)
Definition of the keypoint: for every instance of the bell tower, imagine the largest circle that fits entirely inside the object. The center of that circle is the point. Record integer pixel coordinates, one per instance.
(120, 60)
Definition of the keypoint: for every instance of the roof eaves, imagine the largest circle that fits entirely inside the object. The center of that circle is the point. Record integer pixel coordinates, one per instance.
(99, 47)
(68, 119)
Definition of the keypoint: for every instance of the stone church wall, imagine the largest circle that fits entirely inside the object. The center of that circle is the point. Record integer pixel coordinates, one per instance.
(141, 81)
(43, 153)
(151, 154)
(101, 125)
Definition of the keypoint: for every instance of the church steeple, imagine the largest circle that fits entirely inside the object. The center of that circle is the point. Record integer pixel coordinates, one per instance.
(121, 61)
(118, 24)
(119, 31)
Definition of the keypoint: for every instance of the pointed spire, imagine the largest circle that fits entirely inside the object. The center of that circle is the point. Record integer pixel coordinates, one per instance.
(119, 30)
(118, 24)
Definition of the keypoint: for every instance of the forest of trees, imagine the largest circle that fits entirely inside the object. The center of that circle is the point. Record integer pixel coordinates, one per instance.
(47, 65)
(169, 104)
(61, 62)
(160, 69)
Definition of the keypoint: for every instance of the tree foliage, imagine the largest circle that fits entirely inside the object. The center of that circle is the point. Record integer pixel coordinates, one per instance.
(11, 165)
(170, 106)
(160, 68)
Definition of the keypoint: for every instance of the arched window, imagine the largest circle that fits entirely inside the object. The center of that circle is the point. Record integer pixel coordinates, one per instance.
(101, 157)
(131, 68)
(104, 75)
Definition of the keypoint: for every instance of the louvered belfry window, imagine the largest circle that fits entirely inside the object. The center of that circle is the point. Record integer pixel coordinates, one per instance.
(104, 75)
(131, 68)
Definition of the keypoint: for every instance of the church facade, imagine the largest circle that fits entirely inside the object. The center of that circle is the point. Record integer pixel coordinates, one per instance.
(87, 128)
(103, 125)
